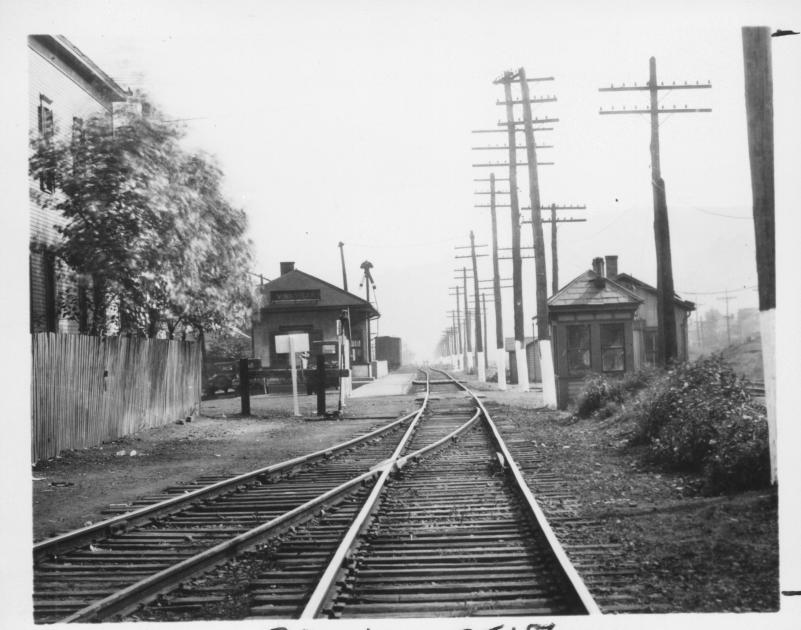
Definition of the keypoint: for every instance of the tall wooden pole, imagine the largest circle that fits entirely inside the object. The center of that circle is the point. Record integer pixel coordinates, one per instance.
(759, 109)
(486, 350)
(467, 331)
(759, 114)
(517, 262)
(667, 349)
(727, 299)
(479, 354)
(500, 357)
(342, 258)
(462, 345)
(554, 253)
(369, 345)
(536, 214)
(666, 313)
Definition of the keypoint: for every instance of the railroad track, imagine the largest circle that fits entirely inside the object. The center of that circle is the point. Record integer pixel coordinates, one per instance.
(427, 517)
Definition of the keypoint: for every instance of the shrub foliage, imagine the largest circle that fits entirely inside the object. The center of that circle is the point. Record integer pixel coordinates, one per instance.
(697, 417)
(597, 392)
(700, 418)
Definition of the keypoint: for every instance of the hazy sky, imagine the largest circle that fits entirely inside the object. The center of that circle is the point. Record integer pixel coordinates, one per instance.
(352, 121)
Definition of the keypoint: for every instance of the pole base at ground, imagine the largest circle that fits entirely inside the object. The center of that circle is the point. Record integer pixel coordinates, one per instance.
(522, 367)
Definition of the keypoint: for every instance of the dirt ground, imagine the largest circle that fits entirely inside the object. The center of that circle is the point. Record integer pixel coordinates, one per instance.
(693, 553)
(71, 490)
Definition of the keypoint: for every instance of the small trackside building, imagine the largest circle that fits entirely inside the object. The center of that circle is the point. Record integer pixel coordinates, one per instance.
(592, 330)
(605, 322)
(297, 302)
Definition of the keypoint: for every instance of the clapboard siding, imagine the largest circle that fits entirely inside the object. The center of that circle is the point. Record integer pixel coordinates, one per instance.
(86, 390)
(70, 96)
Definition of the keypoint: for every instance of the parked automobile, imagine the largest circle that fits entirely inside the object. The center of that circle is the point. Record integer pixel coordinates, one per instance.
(224, 376)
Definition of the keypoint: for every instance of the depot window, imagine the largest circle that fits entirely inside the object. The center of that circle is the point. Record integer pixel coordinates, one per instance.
(578, 349)
(613, 348)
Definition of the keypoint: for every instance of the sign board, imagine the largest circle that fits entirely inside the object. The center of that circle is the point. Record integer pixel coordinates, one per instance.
(324, 347)
(300, 341)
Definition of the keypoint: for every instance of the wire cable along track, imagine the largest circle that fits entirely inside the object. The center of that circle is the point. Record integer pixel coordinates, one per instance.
(427, 517)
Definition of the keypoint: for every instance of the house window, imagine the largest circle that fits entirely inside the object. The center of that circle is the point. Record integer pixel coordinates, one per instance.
(613, 348)
(649, 341)
(578, 349)
(47, 178)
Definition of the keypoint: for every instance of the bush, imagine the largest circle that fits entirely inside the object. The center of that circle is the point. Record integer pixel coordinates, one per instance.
(596, 393)
(701, 418)
(741, 459)
(639, 380)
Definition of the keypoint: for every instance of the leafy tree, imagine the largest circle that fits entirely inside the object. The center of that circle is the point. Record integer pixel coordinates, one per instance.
(147, 222)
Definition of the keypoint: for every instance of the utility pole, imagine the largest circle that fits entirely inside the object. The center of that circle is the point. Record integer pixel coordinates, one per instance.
(759, 114)
(553, 220)
(467, 335)
(500, 355)
(554, 253)
(517, 262)
(480, 367)
(342, 258)
(478, 357)
(457, 329)
(471, 354)
(666, 317)
(484, 311)
(536, 216)
(462, 345)
(541, 278)
(554, 242)
(368, 280)
(727, 299)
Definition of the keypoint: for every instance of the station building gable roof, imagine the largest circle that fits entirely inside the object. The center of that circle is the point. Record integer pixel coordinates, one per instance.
(592, 290)
(297, 290)
(630, 282)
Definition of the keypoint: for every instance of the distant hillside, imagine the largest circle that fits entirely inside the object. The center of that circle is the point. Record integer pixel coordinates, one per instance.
(746, 358)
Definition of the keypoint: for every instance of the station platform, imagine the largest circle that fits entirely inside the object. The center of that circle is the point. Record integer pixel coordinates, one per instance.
(389, 385)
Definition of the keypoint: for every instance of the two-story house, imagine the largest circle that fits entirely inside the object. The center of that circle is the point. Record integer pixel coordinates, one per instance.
(65, 88)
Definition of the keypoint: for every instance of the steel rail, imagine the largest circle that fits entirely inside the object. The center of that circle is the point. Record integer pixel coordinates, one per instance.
(122, 522)
(127, 599)
(402, 461)
(326, 583)
(576, 582)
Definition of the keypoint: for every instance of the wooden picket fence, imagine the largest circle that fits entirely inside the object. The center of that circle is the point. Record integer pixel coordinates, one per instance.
(86, 390)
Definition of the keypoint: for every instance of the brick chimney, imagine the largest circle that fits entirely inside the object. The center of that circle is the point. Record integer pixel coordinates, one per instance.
(286, 267)
(611, 267)
(598, 268)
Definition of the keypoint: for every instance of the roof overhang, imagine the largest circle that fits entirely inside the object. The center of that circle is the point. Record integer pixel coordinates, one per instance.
(82, 65)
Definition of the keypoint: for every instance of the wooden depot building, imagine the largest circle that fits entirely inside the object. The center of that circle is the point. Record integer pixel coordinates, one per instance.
(606, 323)
(297, 302)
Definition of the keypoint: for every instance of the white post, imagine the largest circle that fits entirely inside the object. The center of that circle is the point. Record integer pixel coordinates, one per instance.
(522, 366)
(482, 372)
(500, 361)
(293, 366)
(548, 376)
